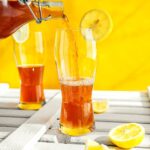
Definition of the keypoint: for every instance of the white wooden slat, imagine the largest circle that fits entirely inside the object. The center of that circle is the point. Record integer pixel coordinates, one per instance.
(9, 99)
(50, 135)
(124, 95)
(130, 104)
(8, 105)
(11, 103)
(132, 148)
(3, 135)
(117, 148)
(102, 137)
(121, 100)
(16, 100)
(55, 146)
(128, 110)
(123, 118)
(21, 113)
(140, 148)
(16, 113)
(5, 131)
(48, 138)
(1, 140)
(12, 99)
(107, 126)
(15, 93)
(11, 122)
(31, 131)
(117, 95)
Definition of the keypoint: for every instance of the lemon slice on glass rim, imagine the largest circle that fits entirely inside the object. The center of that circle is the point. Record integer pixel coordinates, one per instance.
(99, 22)
(127, 135)
(22, 34)
(93, 145)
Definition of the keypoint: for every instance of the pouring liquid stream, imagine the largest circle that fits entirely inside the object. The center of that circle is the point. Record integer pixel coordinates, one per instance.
(74, 49)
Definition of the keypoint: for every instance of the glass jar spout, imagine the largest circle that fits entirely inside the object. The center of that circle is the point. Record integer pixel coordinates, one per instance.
(58, 5)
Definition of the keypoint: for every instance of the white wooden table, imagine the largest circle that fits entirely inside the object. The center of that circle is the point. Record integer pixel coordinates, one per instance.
(38, 130)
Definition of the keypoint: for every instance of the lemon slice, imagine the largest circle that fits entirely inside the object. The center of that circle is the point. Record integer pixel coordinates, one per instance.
(99, 22)
(127, 135)
(100, 106)
(92, 145)
(22, 34)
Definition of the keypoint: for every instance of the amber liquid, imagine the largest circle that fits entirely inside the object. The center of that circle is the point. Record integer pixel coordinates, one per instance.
(31, 94)
(76, 111)
(13, 15)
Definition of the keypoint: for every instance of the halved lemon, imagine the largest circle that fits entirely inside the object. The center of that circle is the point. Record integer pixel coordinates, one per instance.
(93, 145)
(22, 34)
(100, 106)
(99, 22)
(127, 135)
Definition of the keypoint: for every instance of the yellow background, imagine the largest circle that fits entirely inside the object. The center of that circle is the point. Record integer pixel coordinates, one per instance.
(123, 58)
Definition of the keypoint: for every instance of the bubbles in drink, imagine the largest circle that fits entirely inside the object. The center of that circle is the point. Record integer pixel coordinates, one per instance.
(88, 81)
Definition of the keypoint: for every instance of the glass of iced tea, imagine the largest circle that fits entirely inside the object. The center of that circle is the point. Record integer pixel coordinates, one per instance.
(75, 56)
(29, 56)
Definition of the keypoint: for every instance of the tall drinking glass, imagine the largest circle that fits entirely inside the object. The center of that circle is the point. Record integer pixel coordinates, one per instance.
(29, 55)
(75, 56)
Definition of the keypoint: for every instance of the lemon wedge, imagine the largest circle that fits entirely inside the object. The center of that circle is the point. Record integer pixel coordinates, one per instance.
(127, 135)
(93, 145)
(22, 34)
(100, 106)
(99, 22)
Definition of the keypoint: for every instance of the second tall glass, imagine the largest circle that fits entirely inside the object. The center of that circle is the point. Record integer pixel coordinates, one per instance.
(75, 55)
(29, 58)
